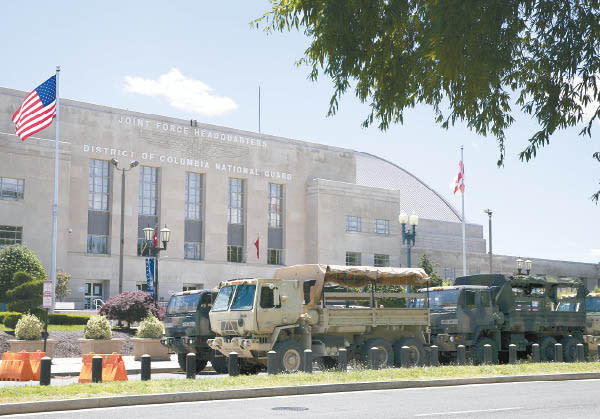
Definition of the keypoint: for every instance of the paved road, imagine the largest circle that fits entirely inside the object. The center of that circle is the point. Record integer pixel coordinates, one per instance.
(513, 400)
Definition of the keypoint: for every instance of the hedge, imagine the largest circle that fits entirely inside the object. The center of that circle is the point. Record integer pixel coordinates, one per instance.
(4, 314)
(68, 319)
(12, 319)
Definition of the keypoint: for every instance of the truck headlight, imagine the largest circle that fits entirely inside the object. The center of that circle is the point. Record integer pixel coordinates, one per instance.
(245, 343)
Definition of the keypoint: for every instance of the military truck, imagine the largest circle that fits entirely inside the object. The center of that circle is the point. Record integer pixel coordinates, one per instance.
(592, 319)
(187, 328)
(501, 310)
(319, 307)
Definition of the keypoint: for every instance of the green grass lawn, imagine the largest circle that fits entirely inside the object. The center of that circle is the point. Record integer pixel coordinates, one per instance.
(52, 328)
(35, 393)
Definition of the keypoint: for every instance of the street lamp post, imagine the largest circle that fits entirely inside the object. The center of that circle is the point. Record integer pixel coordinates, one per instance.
(408, 236)
(133, 164)
(489, 213)
(165, 235)
(520, 263)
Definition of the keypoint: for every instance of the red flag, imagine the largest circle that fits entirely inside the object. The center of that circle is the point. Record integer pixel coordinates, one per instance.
(257, 245)
(459, 181)
(155, 237)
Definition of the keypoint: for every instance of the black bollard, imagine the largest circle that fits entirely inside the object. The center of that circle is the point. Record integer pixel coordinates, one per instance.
(272, 363)
(190, 365)
(487, 354)
(308, 363)
(233, 364)
(374, 358)
(96, 369)
(45, 367)
(434, 359)
(580, 353)
(535, 352)
(146, 367)
(427, 356)
(558, 352)
(461, 355)
(405, 357)
(598, 352)
(342, 365)
(512, 353)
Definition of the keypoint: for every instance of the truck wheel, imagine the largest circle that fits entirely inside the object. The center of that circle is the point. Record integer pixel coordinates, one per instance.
(219, 363)
(477, 353)
(416, 351)
(569, 344)
(547, 348)
(289, 354)
(387, 359)
(200, 363)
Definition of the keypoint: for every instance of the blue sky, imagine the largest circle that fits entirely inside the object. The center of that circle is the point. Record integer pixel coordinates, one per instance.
(110, 52)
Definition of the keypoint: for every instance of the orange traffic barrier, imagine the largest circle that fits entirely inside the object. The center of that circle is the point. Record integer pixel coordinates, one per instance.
(15, 366)
(34, 360)
(113, 368)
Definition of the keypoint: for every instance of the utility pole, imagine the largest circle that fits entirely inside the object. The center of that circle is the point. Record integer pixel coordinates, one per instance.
(489, 213)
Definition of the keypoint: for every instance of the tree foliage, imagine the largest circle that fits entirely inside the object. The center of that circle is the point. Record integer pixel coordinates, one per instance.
(478, 59)
(14, 259)
(434, 279)
(26, 297)
(131, 306)
(62, 285)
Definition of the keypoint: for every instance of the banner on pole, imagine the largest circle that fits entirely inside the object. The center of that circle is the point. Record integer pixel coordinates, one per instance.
(47, 295)
(150, 276)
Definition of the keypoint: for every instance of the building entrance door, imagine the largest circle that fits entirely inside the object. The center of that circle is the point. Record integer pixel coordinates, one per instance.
(94, 291)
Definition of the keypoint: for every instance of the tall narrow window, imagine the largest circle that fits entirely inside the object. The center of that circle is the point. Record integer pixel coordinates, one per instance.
(147, 205)
(12, 188)
(193, 216)
(235, 227)
(275, 238)
(98, 214)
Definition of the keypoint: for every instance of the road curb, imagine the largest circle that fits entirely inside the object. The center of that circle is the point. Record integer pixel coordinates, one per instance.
(197, 396)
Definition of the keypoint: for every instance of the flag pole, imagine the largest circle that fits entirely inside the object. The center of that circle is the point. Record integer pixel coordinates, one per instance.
(464, 244)
(55, 204)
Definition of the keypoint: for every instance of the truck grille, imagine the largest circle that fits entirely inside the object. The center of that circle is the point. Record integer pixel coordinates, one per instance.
(229, 327)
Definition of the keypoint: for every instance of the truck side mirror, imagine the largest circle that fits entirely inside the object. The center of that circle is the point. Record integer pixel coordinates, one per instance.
(306, 286)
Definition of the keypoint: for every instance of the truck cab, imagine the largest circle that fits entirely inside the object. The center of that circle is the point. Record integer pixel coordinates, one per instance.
(187, 328)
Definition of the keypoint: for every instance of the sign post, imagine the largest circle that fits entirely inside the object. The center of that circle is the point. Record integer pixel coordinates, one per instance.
(47, 304)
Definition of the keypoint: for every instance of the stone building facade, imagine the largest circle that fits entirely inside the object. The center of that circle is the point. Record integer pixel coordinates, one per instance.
(219, 190)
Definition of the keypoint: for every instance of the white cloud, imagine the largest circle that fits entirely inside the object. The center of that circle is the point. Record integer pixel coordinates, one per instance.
(182, 93)
(595, 253)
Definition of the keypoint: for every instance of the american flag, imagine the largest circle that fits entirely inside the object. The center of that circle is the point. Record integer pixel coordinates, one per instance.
(459, 181)
(37, 110)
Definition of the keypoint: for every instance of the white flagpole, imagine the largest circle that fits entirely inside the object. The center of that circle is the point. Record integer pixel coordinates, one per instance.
(464, 243)
(55, 204)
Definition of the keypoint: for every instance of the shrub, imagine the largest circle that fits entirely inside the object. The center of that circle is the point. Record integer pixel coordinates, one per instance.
(4, 314)
(15, 259)
(29, 327)
(62, 285)
(21, 278)
(150, 327)
(131, 306)
(26, 297)
(97, 327)
(68, 319)
(11, 320)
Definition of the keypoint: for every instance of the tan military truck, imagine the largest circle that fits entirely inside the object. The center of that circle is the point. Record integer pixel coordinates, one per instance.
(319, 307)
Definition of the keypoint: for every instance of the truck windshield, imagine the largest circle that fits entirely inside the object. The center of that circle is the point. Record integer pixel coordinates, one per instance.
(223, 298)
(439, 300)
(244, 297)
(183, 303)
(592, 303)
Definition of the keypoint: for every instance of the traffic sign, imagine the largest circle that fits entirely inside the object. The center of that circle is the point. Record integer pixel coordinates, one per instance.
(47, 296)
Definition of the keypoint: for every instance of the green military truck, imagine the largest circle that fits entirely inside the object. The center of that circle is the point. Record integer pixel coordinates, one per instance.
(187, 329)
(319, 307)
(592, 319)
(501, 310)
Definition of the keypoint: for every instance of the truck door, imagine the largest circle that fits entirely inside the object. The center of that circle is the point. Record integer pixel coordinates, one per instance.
(268, 313)
(202, 320)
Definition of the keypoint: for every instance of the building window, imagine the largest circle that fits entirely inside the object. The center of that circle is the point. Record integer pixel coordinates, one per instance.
(274, 256)
(98, 186)
(148, 191)
(192, 287)
(382, 227)
(236, 201)
(381, 260)
(141, 286)
(352, 223)
(449, 274)
(10, 235)
(235, 254)
(97, 244)
(275, 195)
(192, 250)
(12, 188)
(353, 259)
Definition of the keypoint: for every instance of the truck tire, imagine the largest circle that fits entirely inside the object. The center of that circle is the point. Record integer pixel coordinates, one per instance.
(219, 363)
(388, 353)
(547, 349)
(416, 351)
(289, 355)
(477, 352)
(200, 363)
(569, 344)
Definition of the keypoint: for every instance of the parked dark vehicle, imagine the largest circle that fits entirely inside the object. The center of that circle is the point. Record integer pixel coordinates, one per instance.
(501, 310)
(187, 328)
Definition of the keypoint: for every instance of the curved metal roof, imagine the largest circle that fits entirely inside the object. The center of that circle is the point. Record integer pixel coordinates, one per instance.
(415, 195)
